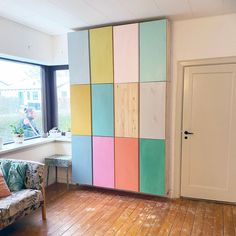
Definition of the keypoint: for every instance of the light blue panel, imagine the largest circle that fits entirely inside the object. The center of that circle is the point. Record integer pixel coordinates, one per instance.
(78, 56)
(102, 109)
(82, 160)
(153, 51)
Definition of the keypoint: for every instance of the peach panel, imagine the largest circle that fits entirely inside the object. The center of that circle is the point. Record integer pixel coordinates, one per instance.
(126, 164)
(126, 53)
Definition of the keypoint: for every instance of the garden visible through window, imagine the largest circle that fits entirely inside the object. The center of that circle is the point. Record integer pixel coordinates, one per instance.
(63, 100)
(20, 99)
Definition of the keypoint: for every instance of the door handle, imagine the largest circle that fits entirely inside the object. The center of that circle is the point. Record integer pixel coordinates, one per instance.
(188, 133)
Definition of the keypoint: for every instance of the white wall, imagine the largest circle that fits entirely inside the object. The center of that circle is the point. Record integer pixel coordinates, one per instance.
(20, 42)
(200, 38)
(60, 50)
(23, 43)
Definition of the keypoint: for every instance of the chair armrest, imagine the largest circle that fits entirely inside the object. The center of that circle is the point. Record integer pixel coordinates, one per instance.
(34, 177)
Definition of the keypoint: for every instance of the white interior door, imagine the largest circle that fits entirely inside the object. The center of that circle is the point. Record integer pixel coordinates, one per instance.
(209, 112)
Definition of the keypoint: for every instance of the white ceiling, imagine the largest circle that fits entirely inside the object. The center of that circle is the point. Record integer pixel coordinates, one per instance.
(60, 16)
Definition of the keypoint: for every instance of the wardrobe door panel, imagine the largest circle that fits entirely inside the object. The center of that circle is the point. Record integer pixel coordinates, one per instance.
(152, 110)
(126, 53)
(127, 164)
(80, 109)
(153, 43)
(103, 162)
(78, 57)
(101, 55)
(152, 166)
(126, 110)
(102, 110)
(82, 160)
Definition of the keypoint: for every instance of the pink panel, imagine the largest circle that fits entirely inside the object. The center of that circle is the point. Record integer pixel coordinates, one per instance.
(126, 53)
(103, 162)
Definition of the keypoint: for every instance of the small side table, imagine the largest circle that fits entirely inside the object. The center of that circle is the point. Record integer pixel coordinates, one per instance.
(58, 160)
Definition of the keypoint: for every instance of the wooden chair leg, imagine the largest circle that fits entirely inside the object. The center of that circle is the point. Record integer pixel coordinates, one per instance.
(67, 178)
(44, 205)
(44, 212)
(48, 174)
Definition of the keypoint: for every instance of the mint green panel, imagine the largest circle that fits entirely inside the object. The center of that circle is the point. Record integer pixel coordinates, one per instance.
(152, 166)
(153, 51)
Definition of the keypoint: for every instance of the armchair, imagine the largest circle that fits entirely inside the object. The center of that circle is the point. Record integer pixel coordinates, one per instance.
(27, 200)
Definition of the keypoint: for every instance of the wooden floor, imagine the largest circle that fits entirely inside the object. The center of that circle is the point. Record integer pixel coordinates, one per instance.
(99, 212)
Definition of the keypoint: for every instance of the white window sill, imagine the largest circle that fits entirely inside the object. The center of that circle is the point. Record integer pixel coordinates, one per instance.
(31, 143)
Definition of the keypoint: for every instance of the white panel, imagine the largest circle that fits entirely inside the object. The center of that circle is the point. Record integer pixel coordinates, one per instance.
(112, 9)
(229, 6)
(180, 7)
(152, 110)
(83, 9)
(141, 9)
(41, 15)
(60, 16)
(203, 7)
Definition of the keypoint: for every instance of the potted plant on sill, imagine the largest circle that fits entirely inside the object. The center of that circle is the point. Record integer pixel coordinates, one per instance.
(18, 134)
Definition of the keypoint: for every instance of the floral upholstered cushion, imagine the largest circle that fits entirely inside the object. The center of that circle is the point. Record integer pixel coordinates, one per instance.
(5, 167)
(34, 175)
(16, 176)
(4, 190)
(18, 202)
(34, 172)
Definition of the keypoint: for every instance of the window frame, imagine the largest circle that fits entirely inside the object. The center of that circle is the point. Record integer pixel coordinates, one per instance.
(55, 102)
(50, 105)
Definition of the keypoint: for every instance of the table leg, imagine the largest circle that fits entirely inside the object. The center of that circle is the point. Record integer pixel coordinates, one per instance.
(56, 174)
(67, 177)
(48, 174)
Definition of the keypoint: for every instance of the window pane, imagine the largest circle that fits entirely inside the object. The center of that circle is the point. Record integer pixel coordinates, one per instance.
(20, 99)
(63, 99)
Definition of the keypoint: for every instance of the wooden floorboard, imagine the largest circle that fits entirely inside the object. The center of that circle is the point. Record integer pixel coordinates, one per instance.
(89, 211)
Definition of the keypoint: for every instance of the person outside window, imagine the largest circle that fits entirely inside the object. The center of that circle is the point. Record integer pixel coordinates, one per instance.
(28, 123)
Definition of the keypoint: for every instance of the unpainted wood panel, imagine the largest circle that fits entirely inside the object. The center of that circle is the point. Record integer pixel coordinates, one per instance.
(126, 53)
(103, 109)
(152, 166)
(103, 161)
(82, 160)
(153, 51)
(127, 164)
(101, 55)
(78, 56)
(152, 110)
(80, 109)
(126, 110)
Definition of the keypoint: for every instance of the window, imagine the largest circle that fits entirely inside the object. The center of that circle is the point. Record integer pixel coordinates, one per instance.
(63, 99)
(35, 95)
(19, 83)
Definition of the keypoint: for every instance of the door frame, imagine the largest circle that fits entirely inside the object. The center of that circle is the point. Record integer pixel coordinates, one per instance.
(177, 154)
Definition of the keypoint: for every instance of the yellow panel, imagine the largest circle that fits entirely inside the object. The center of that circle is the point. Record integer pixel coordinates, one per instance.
(101, 55)
(80, 109)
